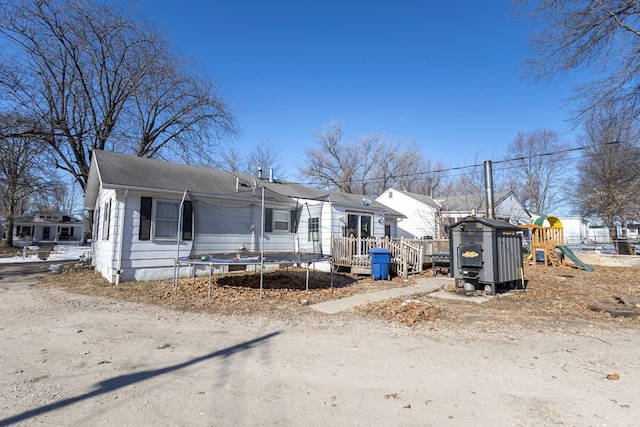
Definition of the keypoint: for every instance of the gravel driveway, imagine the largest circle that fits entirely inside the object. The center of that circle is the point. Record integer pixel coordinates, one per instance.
(70, 359)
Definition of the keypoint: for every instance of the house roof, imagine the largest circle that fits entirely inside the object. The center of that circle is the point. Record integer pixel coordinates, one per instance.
(54, 218)
(493, 223)
(468, 202)
(354, 201)
(421, 198)
(121, 171)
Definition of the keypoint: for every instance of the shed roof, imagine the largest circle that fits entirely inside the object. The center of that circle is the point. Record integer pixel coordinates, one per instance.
(493, 223)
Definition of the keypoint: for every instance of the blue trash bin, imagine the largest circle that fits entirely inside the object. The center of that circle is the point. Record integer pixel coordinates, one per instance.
(380, 261)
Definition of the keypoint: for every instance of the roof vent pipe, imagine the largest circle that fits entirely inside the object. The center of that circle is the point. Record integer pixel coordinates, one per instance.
(270, 174)
(488, 179)
(260, 172)
(237, 184)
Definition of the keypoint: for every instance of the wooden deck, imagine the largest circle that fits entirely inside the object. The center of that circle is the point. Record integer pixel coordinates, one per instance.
(407, 255)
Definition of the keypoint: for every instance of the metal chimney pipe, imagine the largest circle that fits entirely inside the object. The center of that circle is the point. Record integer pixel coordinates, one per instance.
(270, 174)
(260, 172)
(488, 179)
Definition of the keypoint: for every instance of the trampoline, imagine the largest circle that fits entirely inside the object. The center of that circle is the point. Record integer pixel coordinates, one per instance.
(246, 259)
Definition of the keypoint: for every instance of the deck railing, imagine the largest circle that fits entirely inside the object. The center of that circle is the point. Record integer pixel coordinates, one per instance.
(407, 257)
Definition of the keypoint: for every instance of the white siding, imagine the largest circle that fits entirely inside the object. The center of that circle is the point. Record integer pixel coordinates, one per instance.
(420, 218)
(217, 229)
(513, 210)
(103, 248)
(225, 229)
(576, 230)
(311, 209)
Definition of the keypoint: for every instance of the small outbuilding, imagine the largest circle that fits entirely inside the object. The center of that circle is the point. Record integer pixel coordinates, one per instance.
(486, 254)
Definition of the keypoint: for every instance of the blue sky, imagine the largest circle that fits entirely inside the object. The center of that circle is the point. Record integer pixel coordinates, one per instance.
(446, 75)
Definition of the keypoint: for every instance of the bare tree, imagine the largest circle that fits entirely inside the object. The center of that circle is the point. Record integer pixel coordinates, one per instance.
(335, 165)
(404, 167)
(602, 36)
(60, 194)
(540, 163)
(369, 165)
(20, 159)
(607, 179)
(97, 78)
(264, 155)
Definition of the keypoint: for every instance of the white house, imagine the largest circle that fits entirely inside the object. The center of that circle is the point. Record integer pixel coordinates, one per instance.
(575, 231)
(140, 205)
(47, 227)
(424, 216)
(420, 213)
(507, 207)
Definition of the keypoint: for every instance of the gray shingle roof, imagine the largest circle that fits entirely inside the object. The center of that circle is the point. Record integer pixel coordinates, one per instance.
(121, 171)
(468, 202)
(422, 198)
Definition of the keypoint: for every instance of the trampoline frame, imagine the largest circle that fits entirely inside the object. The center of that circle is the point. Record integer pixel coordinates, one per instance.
(212, 261)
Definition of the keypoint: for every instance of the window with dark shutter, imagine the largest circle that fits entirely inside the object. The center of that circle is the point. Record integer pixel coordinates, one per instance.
(187, 220)
(144, 232)
(293, 221)
(106, 223)
(96, 223)
(268, 220)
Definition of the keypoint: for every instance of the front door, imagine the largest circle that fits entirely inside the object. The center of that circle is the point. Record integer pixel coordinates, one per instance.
(46, 231)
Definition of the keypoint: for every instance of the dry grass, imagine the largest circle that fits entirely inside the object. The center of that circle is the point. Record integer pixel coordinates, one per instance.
(553, 296)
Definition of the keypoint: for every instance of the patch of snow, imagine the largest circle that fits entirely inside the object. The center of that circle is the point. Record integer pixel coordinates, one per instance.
(59, 253)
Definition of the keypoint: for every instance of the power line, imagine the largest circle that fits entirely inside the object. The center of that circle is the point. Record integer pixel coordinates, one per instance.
(447, 171)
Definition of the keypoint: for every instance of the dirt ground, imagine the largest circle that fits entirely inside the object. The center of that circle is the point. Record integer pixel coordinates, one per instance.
(76, 351)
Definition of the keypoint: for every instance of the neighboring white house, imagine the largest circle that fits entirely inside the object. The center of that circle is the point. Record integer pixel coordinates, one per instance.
(420, 213)
(576, 231)
(140, 204)
(424, 216)
(47, 227)
(507, 207)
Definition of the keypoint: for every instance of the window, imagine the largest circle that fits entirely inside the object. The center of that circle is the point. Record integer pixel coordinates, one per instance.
(23, 231)
(106, 220)
(278, 220)
(164, 214)
(281, 220)
(96, 223)
(313, 229)
(166, 220)
(391, 194)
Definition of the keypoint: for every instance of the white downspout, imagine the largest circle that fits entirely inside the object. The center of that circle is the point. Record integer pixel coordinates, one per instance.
(330, 225)
(121, 237)
(179, 233)
(262, 244)
(254, 238)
